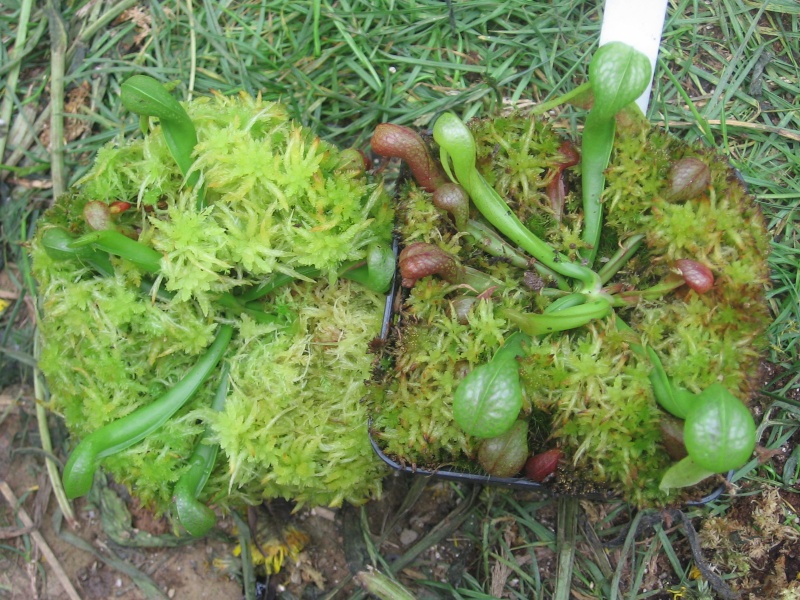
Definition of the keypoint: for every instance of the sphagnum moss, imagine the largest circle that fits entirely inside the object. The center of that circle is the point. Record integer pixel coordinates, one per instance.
(589, 383)
(277, 201)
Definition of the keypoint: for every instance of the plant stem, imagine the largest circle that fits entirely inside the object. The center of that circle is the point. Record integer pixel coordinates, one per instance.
(654, 292)
(491, 243)
(626, 251)
(597, 143)
(113, 242)
(583, 89)
(618, 75)
(254, 312)
(456, 142)
(570, 317)
(57, 243)
(565, 302)
(276, 281)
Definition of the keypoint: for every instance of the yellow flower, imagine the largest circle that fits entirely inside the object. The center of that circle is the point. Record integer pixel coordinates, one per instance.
(275, 551)
(679, 593)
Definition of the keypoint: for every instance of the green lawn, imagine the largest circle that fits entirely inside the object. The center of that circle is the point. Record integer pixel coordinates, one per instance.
(729, 74)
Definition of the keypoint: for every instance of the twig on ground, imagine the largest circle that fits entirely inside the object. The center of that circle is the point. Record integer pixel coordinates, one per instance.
(45, 549)
(47, 446)
(715, 581)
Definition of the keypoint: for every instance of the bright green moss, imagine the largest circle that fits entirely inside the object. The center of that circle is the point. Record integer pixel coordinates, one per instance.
(293, 422)
(519, 157)
(276, 199)
(521, 152)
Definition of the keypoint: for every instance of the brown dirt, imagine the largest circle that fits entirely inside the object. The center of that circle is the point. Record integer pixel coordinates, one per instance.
(181, 572)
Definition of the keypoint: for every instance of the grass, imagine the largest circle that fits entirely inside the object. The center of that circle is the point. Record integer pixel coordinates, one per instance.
(729, 74)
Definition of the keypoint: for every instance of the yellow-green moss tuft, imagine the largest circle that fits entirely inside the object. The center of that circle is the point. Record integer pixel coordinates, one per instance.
(276, 201)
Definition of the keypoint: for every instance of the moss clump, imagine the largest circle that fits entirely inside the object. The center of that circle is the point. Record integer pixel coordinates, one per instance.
(278, 200)
(589, 382)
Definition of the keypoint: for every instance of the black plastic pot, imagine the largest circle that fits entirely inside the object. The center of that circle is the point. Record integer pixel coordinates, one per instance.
(474, 478)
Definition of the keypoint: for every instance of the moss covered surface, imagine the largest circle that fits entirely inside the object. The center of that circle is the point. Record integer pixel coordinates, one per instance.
(278, 199)
(586, 391)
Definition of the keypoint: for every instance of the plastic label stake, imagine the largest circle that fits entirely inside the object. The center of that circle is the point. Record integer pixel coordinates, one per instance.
(638, 23)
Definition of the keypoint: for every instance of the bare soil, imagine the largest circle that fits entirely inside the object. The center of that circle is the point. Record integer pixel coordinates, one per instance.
(180, 572)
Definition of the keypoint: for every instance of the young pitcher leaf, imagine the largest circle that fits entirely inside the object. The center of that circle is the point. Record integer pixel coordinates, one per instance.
(619, 74)
(719, 432)
(144, 96)
(672, 398)
(487, 402)
(684, 473)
